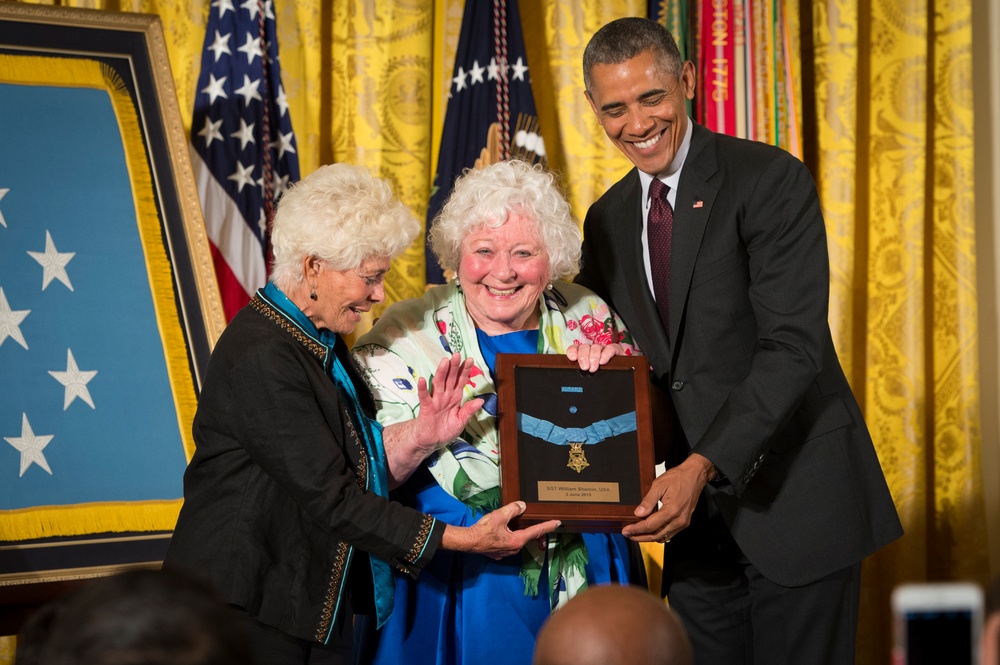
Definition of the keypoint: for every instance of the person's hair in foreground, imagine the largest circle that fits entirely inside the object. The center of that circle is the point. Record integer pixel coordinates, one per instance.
(613, 625)
(140, 617)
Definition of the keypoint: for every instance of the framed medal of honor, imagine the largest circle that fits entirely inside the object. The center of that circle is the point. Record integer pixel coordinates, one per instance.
(574, 446)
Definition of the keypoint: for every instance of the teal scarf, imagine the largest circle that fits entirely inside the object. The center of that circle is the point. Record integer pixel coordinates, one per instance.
(370, 429)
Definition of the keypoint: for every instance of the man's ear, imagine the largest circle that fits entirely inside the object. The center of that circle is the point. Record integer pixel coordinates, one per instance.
(689, 79)
(590, 100)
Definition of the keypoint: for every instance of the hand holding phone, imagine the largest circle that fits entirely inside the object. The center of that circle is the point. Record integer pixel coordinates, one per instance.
(937, 622)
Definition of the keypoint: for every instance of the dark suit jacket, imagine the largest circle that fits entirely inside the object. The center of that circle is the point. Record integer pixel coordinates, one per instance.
(276, 498)
(749, 363)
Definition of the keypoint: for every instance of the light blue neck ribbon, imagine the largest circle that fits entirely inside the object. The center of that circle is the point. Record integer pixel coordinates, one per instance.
(563, 436)
(370, 429)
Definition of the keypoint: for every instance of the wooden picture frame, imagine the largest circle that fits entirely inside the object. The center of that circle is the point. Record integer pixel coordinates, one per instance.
(138, 286)
(575, 446)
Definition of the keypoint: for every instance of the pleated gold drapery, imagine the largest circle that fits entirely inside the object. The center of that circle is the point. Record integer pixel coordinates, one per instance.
(894, 169)
(892, 136)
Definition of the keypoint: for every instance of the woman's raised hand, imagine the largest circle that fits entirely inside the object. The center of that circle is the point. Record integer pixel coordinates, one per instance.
(442, 415)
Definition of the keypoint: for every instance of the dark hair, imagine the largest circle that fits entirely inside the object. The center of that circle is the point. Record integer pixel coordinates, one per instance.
(141, 617)
(624, 39)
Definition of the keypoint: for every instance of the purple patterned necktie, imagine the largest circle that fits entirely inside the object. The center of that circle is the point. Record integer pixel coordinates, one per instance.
(659, 229)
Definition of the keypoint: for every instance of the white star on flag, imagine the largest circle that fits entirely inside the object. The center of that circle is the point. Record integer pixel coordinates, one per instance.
(282, 100)
(459, 80)
(211, 131)
(244, 133)
(519, 70)
(75, 381)
(284, 144)
(493, 70)
(215, 88)
(220, 45)
(242, 175)
(224, 6)
(251, 47)
(53, 263)
(249, 90)
(476, 72)
(3, 193)
(10, 320)
(279, 183)
(30, 446)
(250, 6)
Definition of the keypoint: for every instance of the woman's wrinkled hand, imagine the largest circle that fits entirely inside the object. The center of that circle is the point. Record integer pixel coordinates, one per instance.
(492, 535)
(442, 415)
(590, 357)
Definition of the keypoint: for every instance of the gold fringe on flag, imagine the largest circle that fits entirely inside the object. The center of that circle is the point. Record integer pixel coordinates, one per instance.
(109, 517)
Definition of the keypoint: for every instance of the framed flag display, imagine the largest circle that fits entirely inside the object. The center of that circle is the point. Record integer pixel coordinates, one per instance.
(575, 446)
(108, 302)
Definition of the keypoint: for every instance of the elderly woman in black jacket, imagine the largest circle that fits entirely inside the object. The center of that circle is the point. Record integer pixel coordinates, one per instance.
(285, 507)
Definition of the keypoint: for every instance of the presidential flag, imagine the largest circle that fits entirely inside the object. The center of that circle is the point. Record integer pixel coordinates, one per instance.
(491, 110)
(243, 148)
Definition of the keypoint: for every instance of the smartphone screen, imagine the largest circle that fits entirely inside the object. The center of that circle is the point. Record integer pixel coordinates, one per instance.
(938, 636)
(937, 623)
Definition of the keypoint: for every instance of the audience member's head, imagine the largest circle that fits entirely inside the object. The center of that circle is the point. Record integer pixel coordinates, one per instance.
(141, 617)
(990, 646)
(613, 625)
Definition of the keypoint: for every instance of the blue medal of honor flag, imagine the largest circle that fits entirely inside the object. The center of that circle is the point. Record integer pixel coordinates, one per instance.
(87, 413)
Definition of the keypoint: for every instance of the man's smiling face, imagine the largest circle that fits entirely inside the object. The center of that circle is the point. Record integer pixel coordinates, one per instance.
(642, 108)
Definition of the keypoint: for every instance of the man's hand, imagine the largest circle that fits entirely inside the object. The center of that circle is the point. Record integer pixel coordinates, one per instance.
(677, 490)
(492, 536)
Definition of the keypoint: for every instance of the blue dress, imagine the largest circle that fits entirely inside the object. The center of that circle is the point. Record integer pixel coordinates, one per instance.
(468, 608)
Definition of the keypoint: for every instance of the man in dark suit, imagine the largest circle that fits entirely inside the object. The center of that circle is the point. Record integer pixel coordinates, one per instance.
(774, 493)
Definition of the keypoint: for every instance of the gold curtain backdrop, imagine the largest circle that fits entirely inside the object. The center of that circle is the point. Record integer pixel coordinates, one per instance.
(889, 140)
(894, 167)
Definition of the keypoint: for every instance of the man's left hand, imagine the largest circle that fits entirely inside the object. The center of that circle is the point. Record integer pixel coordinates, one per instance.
(677, 491)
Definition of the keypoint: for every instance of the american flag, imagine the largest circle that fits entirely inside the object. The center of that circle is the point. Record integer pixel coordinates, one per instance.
(491, 110)
(244, 150)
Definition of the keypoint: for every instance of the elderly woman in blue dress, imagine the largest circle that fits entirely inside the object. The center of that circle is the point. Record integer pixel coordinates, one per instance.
(507, 235)
(285, 500)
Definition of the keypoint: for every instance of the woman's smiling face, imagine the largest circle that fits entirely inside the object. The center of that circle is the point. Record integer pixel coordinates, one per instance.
(503, 272)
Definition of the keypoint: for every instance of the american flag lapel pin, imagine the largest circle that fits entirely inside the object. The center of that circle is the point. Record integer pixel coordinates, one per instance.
(698, 203)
